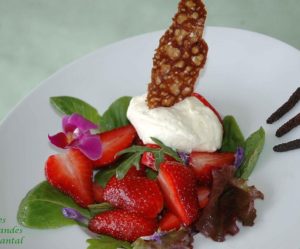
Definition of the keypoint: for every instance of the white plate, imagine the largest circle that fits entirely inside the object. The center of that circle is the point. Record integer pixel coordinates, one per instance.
(247, 74)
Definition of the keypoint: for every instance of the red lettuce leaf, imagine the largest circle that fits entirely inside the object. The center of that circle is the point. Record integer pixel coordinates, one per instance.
(231, 200)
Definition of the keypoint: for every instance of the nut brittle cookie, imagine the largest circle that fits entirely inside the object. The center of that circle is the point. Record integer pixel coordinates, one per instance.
(179, 57)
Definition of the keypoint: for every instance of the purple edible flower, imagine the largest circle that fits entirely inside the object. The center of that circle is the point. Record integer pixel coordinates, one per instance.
(77, 134)
(185, 157)
(155, 237)
(239, 157)
(73, 214)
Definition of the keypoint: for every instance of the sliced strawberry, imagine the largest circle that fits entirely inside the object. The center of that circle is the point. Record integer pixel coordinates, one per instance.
(169, 222)
(122, 225)
(204, 163)
(203, 196)
(135, 194)
(71, 173)
(178, 184)
(148, 157)
(113, 142)
(206, 103)
(98, 191)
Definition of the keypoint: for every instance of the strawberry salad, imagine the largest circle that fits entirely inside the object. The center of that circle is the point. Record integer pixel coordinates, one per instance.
(132, 194)
(153, 170)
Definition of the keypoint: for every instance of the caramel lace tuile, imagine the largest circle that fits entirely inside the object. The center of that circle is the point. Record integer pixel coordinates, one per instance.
(179, 57)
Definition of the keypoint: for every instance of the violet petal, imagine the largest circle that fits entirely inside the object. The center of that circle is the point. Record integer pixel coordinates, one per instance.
(239, 157)
(156, 236)
(185, 157)
(89, 145)
(77, 121)
(73, 214)
(60, 140)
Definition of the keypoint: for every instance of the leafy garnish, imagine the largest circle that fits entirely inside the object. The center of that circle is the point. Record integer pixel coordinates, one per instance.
(230, 200)
(151, 174)
(41, 208)
(233, 137)
(253, 147)
(182, 239)
(103, 176)
(167, 150)
(137, 151)
(100, 208)
(116, 114)
(123, 168)
(107, 242)
(69, 105)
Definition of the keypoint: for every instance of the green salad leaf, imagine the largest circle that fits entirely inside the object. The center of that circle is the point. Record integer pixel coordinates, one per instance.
(115, 116)
(103, 176)
(107, 242)
(233, 137)
(69, 105)
(253, 147)
(42, 208)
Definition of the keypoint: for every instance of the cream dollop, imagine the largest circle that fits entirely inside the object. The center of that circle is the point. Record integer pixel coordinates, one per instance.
(186, 126)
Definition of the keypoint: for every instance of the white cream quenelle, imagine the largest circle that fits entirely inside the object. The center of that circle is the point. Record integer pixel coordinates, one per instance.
(186, 126)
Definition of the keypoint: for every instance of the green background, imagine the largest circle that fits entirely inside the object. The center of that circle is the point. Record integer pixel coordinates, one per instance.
(37, 37)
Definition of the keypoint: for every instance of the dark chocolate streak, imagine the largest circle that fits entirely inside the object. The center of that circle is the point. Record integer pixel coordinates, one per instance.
(285, 108)
(292, 145)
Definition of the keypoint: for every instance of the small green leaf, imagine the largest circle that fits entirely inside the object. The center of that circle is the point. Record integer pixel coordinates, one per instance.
(116, 114)
(253, 147)
(136, 149)
(69, 105)
(106, 242)
(103, 176)
(100, 208)
(233, 137)
(151, 174)
(167, 150)
(42, 208)
(133, 160)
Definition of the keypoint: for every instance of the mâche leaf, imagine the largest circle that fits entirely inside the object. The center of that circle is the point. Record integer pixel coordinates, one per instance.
(68, 105)
(253, 147)
(107, 242)
(42, 208)
(116, 114)
(233, 137)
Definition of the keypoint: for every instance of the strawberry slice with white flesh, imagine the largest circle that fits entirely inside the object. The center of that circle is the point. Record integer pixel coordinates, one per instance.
(72, 174)
(114, 141)
(204, 163)
(178, 185)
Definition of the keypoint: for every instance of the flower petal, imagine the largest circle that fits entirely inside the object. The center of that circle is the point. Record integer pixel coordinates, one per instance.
(90, 146)
(70, 123)
(60, 140)
(239, 157)
(73, 214)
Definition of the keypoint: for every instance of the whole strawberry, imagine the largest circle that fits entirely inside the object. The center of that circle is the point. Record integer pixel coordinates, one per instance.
(135, 194)
(122, 225)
